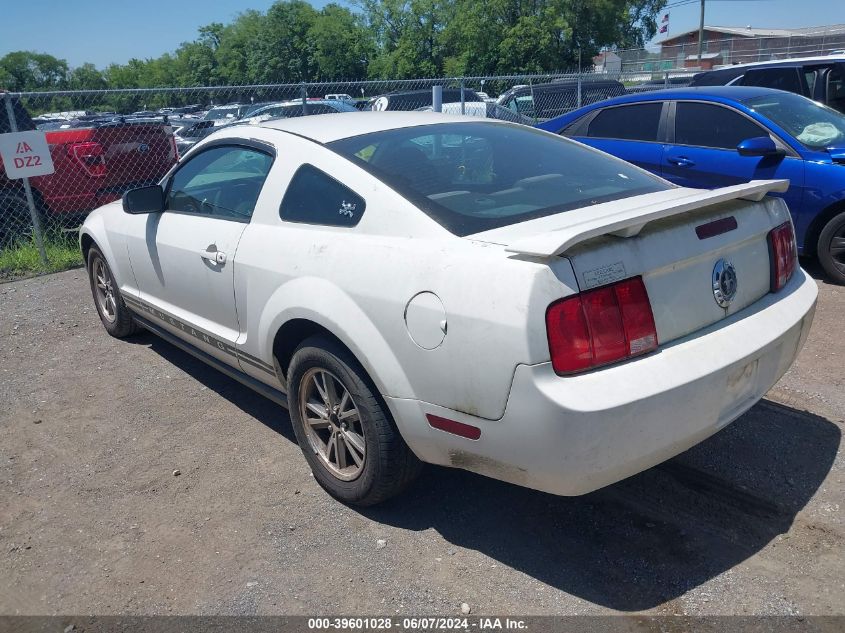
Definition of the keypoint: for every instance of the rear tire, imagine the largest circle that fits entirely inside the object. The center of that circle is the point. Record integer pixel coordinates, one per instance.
(345, 432)
(116, 317)
(831, 248)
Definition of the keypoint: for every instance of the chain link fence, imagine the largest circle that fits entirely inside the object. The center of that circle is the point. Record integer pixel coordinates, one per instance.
(104, 143)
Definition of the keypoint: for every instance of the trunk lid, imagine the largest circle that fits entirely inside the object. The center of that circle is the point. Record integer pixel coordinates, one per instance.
(673, 239)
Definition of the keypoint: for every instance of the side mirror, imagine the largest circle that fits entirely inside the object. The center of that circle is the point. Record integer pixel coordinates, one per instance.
(759, 146)
(148, 199)
(837, 154)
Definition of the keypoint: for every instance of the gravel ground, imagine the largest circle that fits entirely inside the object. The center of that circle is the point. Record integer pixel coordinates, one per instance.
(94, 521)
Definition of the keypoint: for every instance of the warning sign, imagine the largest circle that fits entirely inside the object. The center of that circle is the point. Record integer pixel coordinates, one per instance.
(26, 154)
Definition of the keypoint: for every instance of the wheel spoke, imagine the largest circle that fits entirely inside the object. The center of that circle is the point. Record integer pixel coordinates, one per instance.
(349, 416)
(340, 450)
(318, 409)
(344, 400)
(317, 423)
(837, 246)
(322, 388)
(355, 441)
(352, 451)
(331, 389)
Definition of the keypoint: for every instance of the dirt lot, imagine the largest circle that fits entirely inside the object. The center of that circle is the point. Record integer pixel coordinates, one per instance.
(93, 520)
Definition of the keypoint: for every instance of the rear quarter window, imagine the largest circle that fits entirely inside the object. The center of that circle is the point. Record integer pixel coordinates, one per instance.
(314, 197)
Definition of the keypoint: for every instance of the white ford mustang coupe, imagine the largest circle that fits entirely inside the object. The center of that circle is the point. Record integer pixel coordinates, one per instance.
(423, 288)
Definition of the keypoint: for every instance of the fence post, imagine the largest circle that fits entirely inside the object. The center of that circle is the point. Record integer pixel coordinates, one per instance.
(463, 100)
(579, 87)
(666, 79)
(304, 94)
(437, 98)
(533, 104)
(33, 212)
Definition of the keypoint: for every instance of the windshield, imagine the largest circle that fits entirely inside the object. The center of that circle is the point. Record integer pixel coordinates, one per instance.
(814, 125)
(471, 177)
(221, 113)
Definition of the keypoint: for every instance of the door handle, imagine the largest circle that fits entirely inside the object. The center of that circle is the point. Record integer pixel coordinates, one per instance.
(215, 257)
(680, 161)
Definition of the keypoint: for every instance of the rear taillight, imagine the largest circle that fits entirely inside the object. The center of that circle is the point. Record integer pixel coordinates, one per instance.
(600, 326)
(90, 155)
(783, 254)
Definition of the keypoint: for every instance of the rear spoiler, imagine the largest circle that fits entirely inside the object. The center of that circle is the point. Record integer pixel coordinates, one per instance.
(623, 220)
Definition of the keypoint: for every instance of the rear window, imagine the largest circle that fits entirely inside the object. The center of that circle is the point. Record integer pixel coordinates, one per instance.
(472, 177)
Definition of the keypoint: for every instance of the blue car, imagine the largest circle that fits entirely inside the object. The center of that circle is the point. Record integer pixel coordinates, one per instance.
(718, 136)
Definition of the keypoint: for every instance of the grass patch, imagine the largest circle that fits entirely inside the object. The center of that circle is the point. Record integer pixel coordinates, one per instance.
(22, 258)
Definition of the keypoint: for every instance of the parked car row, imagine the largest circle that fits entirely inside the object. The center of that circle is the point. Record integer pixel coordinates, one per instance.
(708, 137)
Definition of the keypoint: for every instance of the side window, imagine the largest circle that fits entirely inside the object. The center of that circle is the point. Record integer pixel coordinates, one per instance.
(522, 105)
(788, 79)
(836, 88)
(314, 197)
(220, 182)
(810, 78)
(707, 125)
(631, 123)
(320, 108)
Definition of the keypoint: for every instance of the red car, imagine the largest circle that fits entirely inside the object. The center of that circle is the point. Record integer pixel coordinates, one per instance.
(95, 162)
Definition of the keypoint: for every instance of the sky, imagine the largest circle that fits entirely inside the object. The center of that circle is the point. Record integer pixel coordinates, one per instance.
(113, 31)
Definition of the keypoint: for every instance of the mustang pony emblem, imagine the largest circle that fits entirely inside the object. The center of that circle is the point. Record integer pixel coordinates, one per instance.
(724, 283)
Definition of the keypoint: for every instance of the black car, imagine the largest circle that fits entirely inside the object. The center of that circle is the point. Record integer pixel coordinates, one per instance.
(546, 101)
(416, 99)
(660, 84)
(821, 79)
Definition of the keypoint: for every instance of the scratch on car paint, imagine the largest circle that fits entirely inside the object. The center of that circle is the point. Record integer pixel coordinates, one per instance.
(487, 466)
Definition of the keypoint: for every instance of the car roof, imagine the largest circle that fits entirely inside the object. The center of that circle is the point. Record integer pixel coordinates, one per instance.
(332, 127)
(734, 93)
(566, 85)
(794, 61)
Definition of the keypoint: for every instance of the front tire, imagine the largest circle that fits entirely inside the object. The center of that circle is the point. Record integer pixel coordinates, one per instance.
(346, 434)
(831, 248)
(116, 317)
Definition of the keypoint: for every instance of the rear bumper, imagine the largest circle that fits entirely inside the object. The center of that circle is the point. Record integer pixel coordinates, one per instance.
(572, 435)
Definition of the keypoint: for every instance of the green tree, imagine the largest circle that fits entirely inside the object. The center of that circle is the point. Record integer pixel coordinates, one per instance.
(27, 70)
(343, 45)
(86, 77)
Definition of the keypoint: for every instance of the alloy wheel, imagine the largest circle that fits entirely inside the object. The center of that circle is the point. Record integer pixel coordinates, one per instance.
(104, 289)
(332, 423)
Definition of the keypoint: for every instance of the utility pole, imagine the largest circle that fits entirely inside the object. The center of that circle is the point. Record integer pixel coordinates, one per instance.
(701, 35)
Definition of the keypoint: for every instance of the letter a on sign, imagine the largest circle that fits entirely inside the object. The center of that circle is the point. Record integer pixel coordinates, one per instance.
(26, 154)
